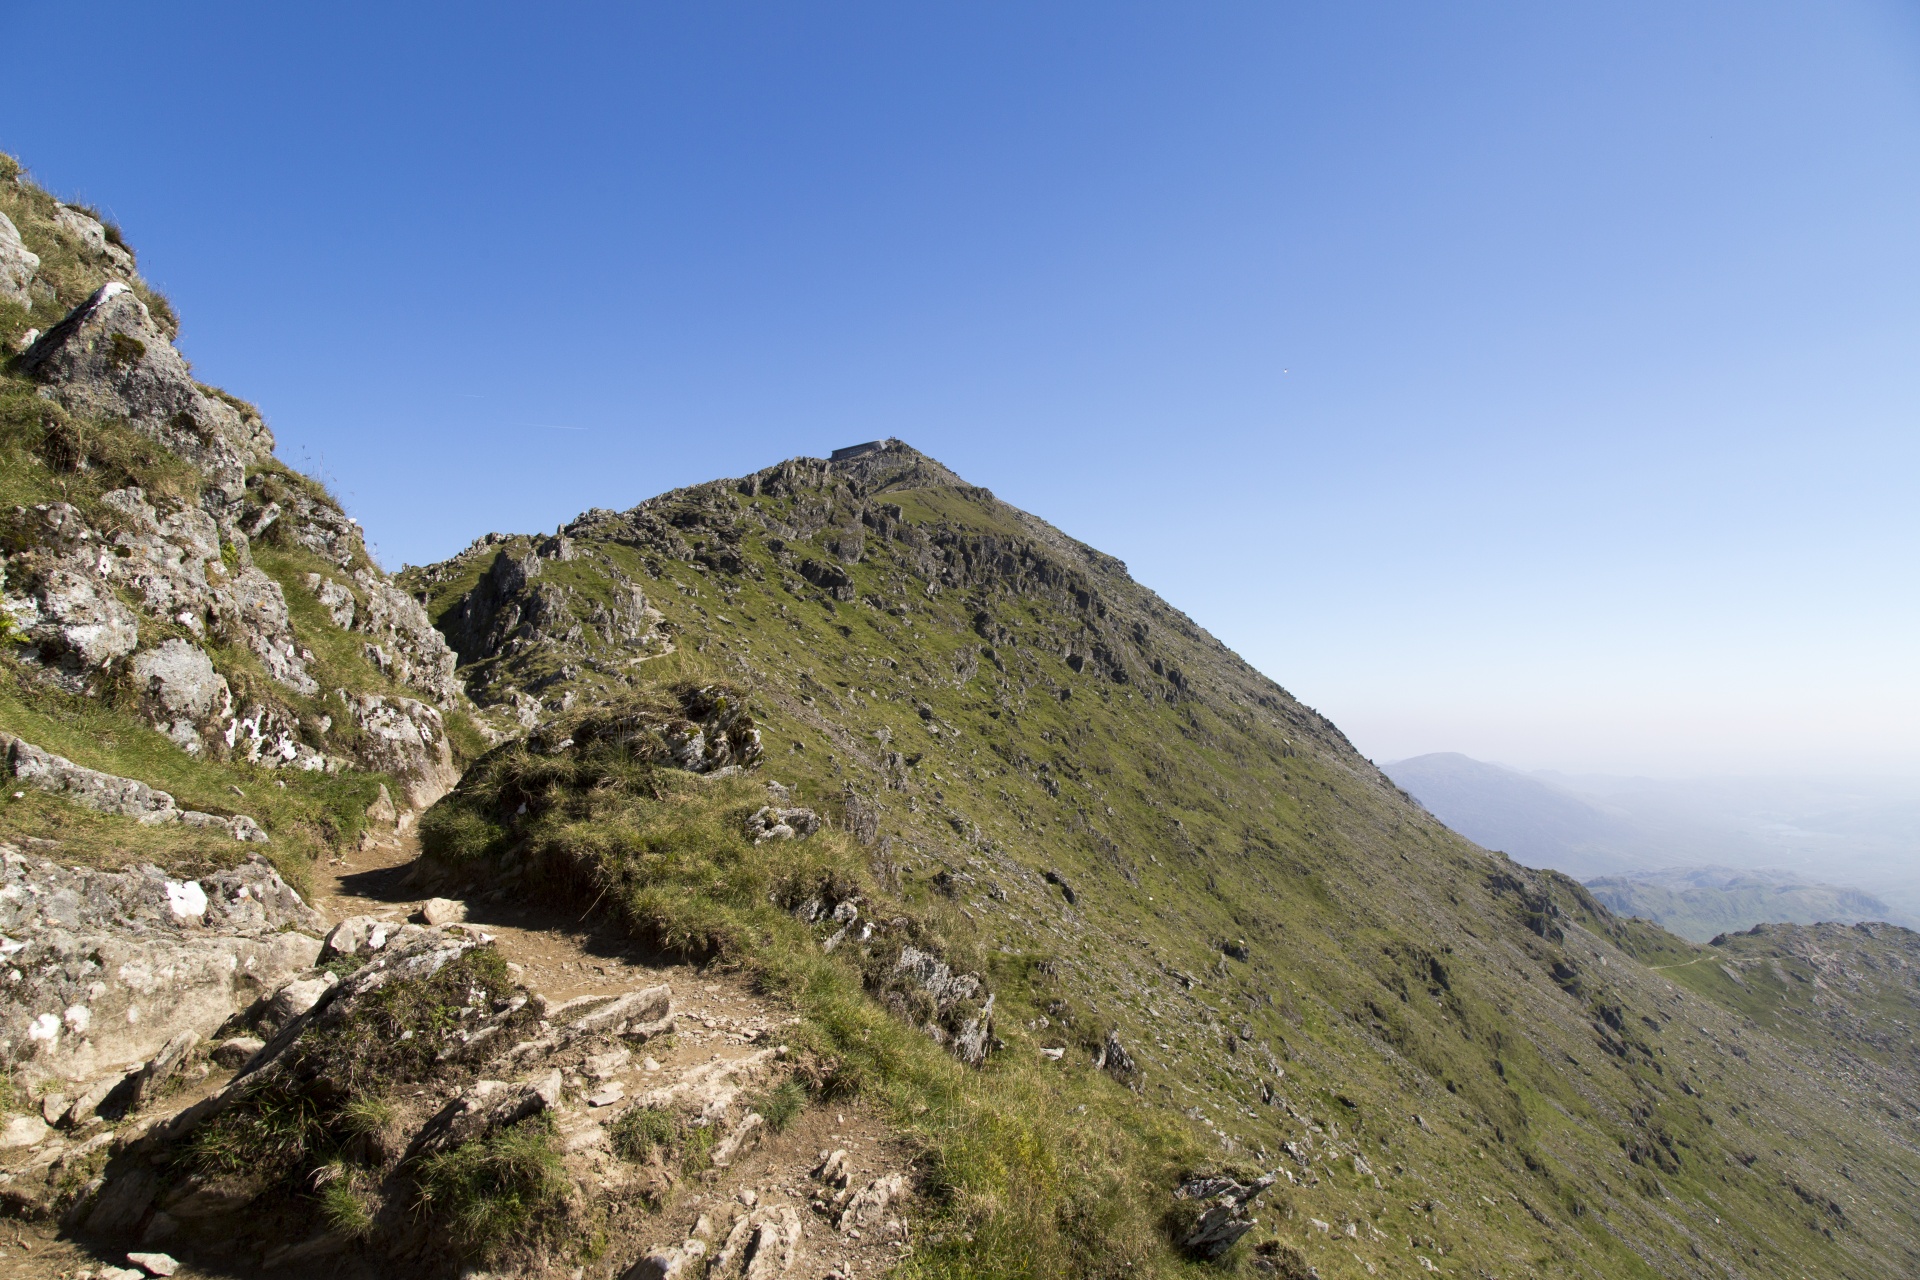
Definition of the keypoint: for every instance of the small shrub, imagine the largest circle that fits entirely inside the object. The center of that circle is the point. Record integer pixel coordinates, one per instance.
(640, 1131)
(456, 833)
(269, 1131)
(506, 1188)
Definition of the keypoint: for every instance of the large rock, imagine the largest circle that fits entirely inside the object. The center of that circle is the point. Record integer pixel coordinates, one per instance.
(184, 696)
(18, 264)
(253, 612)
(107, 357)
(407, 739)
(102, 970)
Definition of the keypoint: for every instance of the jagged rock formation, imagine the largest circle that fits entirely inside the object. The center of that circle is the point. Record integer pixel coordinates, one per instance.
(108, 358)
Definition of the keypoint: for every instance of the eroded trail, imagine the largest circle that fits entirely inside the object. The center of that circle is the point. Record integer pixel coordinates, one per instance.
(816, 1193)
(725, 1036)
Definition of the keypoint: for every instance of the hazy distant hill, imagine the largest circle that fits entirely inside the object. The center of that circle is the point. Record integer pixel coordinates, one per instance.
(1704, 902)
(1529, 820)
(1855, 831)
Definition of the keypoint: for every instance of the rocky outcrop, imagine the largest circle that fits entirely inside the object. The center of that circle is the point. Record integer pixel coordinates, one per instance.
(65, 597)
(102, 970)
(407, 739)
(519, 630)
(17, 265)
(107, 793)
(710, 731)
(107, 357)
(68, 607)
(771, 823)
(403, 643)
(91, 235)
(956, 1009)
(1224, 1212)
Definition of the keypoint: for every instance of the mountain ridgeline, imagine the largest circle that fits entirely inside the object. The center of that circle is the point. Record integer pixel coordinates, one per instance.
(1145, 843)
(1129, 957)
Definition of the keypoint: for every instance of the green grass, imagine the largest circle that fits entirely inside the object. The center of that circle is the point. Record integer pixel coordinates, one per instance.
(504, 1189)
(641, 1131)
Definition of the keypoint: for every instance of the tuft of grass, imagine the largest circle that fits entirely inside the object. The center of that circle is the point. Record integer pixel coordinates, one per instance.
(342, 1207)
(504, 1189)
(780, 1105)
(640, 1131)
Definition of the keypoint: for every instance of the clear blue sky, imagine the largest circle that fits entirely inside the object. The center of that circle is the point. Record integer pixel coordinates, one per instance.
(1533, 380)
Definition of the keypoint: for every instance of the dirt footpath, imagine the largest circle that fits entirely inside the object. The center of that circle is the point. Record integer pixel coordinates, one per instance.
(770, 1204)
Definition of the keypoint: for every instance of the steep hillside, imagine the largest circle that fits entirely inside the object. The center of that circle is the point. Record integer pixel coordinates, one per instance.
(1180, 885)
(197, 645)
(943, 838)
(1700, 902)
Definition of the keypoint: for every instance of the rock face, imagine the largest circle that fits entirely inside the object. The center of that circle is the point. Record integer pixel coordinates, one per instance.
(405, 738)
(404, 644)
(17, 265)
(108, 357)
(143, 587)
(103, 969)
(63, 594)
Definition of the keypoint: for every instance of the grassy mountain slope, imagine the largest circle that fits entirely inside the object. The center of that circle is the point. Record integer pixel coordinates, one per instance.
(1079, 793)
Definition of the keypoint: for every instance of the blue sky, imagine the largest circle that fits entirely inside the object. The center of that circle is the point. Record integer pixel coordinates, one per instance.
(1535, 381)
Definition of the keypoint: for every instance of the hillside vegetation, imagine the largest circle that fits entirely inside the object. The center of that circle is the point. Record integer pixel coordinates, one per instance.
(1141, 841)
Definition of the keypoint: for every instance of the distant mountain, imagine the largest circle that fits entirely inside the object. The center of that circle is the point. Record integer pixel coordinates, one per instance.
(1529, 820)
(1822, 831)
(1703, 902)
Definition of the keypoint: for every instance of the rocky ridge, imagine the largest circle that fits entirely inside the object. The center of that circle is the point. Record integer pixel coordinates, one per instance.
(169, 564)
